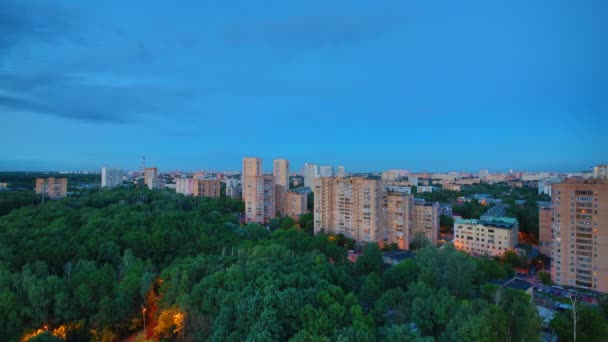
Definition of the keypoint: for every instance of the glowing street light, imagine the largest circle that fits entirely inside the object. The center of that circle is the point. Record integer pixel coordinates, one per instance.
(143, 314)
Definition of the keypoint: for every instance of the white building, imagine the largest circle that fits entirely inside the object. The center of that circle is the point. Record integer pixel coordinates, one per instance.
(311, 171)
(326, 171)
(341, 172)
(412, 180)
(185, 186)
(111, 177)
(233, 188)
(490, 237)
(425, 188)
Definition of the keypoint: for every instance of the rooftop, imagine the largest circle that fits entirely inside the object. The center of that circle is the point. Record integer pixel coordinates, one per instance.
(498, 222)
(513, 283)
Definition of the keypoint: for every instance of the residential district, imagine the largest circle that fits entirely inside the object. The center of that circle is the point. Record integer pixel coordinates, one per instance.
(401, 210)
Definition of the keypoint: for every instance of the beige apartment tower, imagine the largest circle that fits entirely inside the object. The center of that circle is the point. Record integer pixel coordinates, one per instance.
(150, 174)
(580, 230)
(52, 187)
(206, 188)
(545, 238)
(350, 206)
(281, 173)
(426, 221)
(258, 192)
(399, 211)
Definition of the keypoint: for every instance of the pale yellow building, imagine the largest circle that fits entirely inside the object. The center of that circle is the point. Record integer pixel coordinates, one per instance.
(206, 188)
(350, 206)
(258, 192)
(489, 237)
(52, 187)
(281, 173)
(294, 204)
(150, 175)
(580, 233)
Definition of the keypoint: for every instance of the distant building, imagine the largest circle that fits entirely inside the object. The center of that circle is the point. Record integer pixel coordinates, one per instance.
(484, 175)
(206, 188)
(399, 188)
(350, 206)
(341, 172)
(258, 192)
(281, 173)
(413, 180)
(545, 238)
(150, 178)
(426, 220)
(600, 171)
(52, 187)
(233, 188)
(451, 187)
(580, 233)
(294, 204)
(3, 185)
(311, 171)
(486, 237)
(425, 188)
(111, 177)
(185, 186)
(326, 171)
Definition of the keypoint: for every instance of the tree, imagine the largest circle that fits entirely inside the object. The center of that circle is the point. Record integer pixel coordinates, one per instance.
(545, 278)
(446, 224)
(370, 261)
(370, 291)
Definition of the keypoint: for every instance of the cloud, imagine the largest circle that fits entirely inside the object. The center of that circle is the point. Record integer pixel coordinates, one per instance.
(22, 21)
(82, 98)
(311, 31)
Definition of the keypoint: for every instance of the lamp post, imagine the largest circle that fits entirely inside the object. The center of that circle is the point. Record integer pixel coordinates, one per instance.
(143, 314)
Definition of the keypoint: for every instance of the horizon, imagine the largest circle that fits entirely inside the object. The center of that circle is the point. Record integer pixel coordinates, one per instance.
(423, 86)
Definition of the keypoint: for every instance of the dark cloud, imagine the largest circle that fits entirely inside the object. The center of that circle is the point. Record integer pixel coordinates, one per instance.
(310, 32)
(79, 99)
(23, 21)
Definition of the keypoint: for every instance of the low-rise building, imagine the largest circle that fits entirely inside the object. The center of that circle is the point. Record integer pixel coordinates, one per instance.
(425, 188)
(490, 237)
(451, 187)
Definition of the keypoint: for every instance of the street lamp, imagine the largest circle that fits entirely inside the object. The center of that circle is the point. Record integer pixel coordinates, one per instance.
(143, 314)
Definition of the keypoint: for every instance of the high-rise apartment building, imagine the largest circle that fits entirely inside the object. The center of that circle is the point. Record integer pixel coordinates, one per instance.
(52, 187)
(294, 204)
(326, 171)
(545, 236)
(580, 233)
(184, 186)
(350, 206)
(311, 171)
(341, 172)
(111, 177)
(399, 211)
(151, 177)
(281, 173)
(490, 237)
(258, 192)
(233, 188)
(426, 220)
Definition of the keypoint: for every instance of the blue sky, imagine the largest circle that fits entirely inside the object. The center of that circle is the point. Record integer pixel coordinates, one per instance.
(423, 85)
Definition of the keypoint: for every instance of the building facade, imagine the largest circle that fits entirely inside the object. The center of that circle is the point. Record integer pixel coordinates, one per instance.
(399, 212)
(426, 220)
(281, 173)
(185, 186)
(52, 187)
(545, 236)
(311, 171)
(490, 237)
(258, 192)
(350, 206)
(111, 177)
(294, 204)
(151, 178)
(341, 172)
(580, 234)
(326, 171)
(233, 188)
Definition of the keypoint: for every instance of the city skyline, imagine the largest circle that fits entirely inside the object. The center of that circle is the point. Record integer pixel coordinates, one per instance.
(424, 86)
